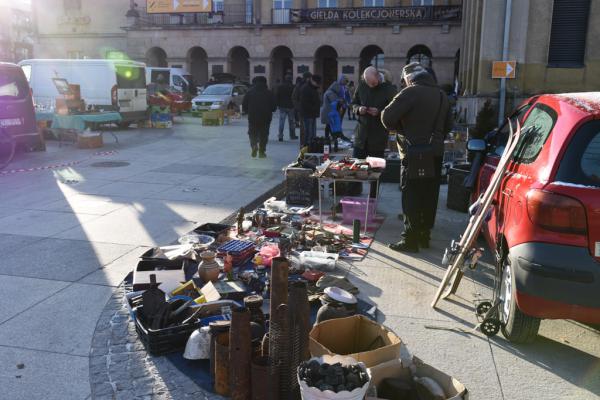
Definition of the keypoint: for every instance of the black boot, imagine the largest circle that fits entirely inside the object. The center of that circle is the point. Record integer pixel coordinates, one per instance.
(404, 247)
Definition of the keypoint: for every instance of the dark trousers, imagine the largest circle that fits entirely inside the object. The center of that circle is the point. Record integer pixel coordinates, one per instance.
(419, 203)
(364, 153)
(259, 135)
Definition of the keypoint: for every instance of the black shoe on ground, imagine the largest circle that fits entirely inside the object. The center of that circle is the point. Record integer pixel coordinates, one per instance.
(281, 138)
(262, 154)
(293, 137)
(254, 152)
(403, 246)
(424, 243)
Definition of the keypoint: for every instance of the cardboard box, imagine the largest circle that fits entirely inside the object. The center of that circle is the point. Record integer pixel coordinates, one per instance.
(90, 140)
(357, 337)
(453, 389)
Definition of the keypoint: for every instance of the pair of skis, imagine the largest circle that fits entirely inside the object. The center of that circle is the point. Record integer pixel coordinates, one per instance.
(462, 254)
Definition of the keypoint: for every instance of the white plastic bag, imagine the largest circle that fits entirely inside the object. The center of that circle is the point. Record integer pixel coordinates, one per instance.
(319, 260)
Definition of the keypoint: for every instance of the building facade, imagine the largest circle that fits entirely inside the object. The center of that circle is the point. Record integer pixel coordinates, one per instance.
(553, 42)
(259, 37)
(16, 32)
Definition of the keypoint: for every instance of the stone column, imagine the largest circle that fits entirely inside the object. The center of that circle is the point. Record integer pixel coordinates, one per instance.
(261, 65)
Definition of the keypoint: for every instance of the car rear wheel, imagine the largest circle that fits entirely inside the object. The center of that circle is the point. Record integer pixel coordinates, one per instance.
(517, 327)
(7, 148)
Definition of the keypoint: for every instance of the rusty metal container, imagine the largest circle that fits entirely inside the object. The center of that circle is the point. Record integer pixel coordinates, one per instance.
(280, 268)
(240, 354)
(222, 364)
(279, 347)
(260, 377)
(216, 327)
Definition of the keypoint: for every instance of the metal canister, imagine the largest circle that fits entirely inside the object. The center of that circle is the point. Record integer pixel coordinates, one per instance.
(222, 364)
(254, 304)
(216, 327)
(260, 377)
(280, 268)
(240, 354)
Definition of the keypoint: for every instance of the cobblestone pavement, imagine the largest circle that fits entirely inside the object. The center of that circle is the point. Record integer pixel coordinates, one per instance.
(120, 367)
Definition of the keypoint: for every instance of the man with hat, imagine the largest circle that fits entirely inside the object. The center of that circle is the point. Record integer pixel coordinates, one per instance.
(310, 106)
(296, 94)
(420, 115)
(259, 104)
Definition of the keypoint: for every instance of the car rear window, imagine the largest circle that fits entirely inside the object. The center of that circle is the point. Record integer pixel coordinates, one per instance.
(534, 133)
(13, 84)
(130, 77)
(581, 162)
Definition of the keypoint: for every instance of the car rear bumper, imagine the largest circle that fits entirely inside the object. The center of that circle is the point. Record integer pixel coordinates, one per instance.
(557, 282)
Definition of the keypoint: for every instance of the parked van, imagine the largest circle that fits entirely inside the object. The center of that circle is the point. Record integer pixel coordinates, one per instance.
(17, 116)
(177, 78)
(117, 85)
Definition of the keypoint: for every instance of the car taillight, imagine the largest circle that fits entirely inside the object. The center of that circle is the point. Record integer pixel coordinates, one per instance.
(114, 95)
(556, 212)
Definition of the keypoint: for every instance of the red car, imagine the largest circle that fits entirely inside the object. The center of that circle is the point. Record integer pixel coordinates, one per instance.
(545, 223)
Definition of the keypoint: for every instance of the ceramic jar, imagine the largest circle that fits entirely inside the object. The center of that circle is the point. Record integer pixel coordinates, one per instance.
(209, 268)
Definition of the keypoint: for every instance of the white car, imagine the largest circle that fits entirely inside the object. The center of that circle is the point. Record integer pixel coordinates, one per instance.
(221, 96)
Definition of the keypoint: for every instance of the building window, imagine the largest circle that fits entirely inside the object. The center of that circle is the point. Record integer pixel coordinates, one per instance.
(374, 3)
(282, 4)
(249, 9)
(420, 54)
(328, 3)
(422, 2)
(72, 5)
(218, 5)
(568, 34)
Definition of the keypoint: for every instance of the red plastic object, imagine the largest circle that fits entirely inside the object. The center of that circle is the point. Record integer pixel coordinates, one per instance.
(312, 275)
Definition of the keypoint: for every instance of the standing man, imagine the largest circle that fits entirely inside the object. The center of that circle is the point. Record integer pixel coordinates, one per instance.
(310, 106)
(370, 98)
(296, 94)
(420, 114)
(284, 102)
(259, 104)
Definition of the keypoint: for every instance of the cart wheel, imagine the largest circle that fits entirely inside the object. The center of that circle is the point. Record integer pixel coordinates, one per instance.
(483, 307)
(490, 327)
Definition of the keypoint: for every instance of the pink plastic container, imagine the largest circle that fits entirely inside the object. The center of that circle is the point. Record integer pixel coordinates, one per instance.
(356, 208)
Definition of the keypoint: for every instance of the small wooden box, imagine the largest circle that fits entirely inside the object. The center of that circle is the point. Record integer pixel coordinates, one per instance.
(91, 140)
(213, 117)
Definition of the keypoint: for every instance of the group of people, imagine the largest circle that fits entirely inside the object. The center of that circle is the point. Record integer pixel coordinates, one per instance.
(419, 114)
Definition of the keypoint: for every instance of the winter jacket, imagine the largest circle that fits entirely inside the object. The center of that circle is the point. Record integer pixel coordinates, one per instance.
(371, 135)
(283, 95)
(335, 94)
(296, 95)
(413, 111)
(310, 103)
(259, 103)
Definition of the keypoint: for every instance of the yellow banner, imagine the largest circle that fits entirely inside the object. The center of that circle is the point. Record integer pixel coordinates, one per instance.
(178, 6)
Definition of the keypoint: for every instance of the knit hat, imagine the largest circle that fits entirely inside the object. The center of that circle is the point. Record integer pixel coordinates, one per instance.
(412, 70)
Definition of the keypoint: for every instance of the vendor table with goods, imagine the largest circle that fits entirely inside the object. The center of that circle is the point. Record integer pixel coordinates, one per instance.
(353, 171)
(78, 123)
(258, 309)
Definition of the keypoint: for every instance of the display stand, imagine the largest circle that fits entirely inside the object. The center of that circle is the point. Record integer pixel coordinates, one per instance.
(374, 179)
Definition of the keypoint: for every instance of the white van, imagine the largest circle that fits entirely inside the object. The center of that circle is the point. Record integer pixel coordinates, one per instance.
(177, 78)
(117, 85)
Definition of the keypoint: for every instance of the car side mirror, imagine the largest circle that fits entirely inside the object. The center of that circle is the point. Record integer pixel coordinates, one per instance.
(476, 145)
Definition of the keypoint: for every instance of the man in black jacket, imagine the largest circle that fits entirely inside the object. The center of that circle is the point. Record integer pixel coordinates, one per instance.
(283, 97)
(310, 106)
(259, 104)
(420, 114)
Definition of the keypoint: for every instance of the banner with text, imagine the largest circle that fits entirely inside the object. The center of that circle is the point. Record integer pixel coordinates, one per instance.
(377, 14)
(178, 6)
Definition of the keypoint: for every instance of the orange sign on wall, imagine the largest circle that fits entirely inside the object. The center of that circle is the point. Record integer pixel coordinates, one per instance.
(504, 69)
(178, 6)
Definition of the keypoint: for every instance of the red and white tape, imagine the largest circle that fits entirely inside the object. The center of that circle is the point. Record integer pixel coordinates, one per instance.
(55, 166)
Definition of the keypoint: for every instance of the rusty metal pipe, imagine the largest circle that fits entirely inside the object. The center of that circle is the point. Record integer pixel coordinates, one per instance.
(260, 377)
(280, 268)
(222, 364)
(299, 327)
(240, 354)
